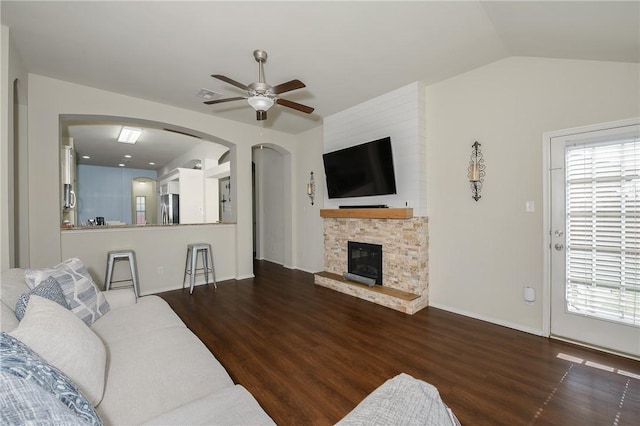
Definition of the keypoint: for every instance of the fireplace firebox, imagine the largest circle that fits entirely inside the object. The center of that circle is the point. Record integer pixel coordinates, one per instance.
(365, 259)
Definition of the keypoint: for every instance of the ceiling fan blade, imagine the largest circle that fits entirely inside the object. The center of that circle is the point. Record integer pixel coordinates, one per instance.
(230, 81)
(294, 105)
(219, 101)
(287, 87)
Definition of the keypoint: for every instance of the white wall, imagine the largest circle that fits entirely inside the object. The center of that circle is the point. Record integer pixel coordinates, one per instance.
(14, 228)
(483, 253)
(308, 250)
(6, 102)
(399, 114)
(48, 98)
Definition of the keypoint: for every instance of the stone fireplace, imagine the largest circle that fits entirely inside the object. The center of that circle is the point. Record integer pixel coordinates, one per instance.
(404, 240)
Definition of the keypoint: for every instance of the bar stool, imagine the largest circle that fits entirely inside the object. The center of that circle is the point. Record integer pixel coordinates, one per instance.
(116, 256)
(191, 268)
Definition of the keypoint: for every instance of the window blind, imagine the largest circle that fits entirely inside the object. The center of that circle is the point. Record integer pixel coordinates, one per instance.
(603, 230)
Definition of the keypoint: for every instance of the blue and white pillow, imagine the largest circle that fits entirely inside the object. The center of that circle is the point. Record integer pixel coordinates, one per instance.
(49, 289)
(23, 402)
(83, 296)
(19, 360)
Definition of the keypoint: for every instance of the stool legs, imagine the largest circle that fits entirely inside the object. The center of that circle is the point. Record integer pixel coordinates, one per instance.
(186, 265)
(134, 273)
(112, 258)
(192, 276)
(191, 264)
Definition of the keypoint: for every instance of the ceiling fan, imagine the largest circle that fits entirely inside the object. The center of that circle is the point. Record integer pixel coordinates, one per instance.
(261, 96)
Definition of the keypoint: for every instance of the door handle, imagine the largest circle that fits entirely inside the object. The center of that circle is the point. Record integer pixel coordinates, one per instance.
(559, 246)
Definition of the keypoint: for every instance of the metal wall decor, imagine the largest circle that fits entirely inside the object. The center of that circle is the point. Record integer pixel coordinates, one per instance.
(311, 188)
(476, 171)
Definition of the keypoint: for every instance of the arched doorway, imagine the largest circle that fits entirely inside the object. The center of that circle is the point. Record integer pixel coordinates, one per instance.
(273, 226)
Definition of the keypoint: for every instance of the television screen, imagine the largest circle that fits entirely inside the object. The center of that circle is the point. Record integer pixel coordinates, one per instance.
(361, 170)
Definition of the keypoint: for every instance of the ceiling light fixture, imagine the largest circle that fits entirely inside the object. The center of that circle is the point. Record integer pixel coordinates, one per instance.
(120, 165)
(127, 156)
(86, 157)
(261, 104)
(129, 135)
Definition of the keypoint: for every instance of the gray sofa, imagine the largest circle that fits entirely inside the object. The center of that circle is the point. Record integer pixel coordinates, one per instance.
(156, 371)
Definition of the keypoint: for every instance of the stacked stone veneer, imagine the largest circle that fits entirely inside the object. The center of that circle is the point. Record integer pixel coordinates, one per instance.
(405, 259)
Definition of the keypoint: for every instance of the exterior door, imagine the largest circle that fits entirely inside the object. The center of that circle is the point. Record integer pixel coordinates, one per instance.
(595, 238)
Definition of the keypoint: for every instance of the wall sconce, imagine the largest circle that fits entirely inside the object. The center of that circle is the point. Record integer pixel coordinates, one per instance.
(311, 188)
(476, 171)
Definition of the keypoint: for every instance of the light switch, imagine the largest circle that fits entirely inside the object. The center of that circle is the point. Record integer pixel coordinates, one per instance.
(529, 207)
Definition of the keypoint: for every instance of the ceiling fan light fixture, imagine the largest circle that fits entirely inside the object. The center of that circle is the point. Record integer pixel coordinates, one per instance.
(260, 102)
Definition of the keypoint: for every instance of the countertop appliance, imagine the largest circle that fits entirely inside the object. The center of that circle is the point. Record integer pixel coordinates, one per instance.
(170, 208)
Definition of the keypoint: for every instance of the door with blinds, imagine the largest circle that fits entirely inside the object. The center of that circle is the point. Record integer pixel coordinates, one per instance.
(595, 238)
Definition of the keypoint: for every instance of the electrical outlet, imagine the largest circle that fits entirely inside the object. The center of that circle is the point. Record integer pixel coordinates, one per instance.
(160, 270)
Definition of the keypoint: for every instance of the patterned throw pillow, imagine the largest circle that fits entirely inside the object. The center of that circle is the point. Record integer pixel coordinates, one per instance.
(65, 342)
(83, 296)
(19, 360)
(49, 289)
(23, 402)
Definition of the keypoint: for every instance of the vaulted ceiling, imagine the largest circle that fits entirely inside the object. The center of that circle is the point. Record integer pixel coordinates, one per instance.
(345, 52)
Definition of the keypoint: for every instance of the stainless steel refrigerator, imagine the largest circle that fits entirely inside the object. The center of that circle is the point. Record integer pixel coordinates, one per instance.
(170, 208)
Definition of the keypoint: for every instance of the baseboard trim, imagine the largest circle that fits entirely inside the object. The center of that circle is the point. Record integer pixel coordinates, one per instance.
(308, 271)
(496, 321)
(179, 287)
(243, 277)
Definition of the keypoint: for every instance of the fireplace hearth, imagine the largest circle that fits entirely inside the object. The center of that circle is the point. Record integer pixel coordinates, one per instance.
(365, 259)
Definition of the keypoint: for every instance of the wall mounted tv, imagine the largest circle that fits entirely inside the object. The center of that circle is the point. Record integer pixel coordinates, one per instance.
(360, 171)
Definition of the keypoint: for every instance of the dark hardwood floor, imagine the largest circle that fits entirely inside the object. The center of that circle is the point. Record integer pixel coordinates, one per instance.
(309, 355)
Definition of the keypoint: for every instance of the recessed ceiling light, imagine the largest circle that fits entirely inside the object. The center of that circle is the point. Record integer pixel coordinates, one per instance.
(129, 135)
(142, 183)
(86, 157)
(127, 156)
(152, 163)
(121, 165)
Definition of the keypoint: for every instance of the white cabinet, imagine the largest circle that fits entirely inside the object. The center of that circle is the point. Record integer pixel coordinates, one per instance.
(170, 187)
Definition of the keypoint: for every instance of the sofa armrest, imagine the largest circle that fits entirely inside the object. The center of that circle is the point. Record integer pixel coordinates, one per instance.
(401, 400)
(120, 297)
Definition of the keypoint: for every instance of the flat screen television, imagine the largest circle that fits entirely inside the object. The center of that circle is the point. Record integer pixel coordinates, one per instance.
(360, 171)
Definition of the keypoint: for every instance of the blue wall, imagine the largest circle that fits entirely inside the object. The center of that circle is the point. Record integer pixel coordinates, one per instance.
(106, 191)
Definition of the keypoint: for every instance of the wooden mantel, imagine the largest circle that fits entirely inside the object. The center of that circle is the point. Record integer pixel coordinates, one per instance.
(391, 213)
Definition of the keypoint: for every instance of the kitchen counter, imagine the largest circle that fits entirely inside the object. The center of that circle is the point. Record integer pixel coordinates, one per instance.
(139, 227)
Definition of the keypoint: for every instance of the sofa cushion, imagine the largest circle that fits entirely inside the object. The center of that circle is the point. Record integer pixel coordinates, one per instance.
(402, 400)
(150, 313)
(49, 289)
(83, 296)
(12, 285)
(64, 341)
(120, 297)
(230, 406)
(8, 320)
(158, 371)
(27, 379)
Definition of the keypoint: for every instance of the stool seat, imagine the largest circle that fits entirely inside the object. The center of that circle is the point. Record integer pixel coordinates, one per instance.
(116, 256)
(191, 269)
